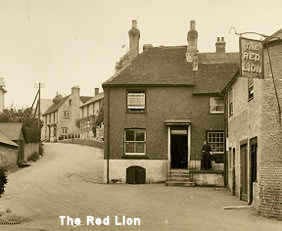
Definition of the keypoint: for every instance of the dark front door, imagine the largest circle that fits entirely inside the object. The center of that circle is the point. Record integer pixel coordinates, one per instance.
(179, 148)
(244, 172)
(253, 162)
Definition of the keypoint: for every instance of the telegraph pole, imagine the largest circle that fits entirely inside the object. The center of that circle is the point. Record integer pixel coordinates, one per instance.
(39, 86)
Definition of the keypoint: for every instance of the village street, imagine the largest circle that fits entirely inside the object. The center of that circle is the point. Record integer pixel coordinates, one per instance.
(61, 184)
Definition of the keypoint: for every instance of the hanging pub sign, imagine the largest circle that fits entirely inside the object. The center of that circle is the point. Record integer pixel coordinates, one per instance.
(251, 56)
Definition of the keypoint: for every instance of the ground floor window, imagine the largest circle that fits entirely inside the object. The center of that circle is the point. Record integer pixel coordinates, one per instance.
(216, 140)
(65, 132)
(135, 141)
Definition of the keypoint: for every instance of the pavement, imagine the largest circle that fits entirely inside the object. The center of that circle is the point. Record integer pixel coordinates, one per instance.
(65, 182)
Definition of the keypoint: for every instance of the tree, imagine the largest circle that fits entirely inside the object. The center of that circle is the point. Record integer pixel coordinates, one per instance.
(25, 116)
(122, 62)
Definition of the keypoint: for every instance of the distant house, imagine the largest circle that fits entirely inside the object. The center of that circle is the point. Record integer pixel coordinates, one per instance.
(162, 106)
(61, 120)
(8, 153)
(14, 132)
(254, 129)
(88, 115)
(44, 105)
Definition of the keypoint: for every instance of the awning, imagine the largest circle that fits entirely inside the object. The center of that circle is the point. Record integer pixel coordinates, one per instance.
(171, 122)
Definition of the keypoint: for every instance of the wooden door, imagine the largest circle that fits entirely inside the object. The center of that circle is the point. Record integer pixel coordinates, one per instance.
(244, 173)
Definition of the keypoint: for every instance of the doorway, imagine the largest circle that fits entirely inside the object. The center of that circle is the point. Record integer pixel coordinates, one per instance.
(244, 173)
(179, 147)
(253, 167)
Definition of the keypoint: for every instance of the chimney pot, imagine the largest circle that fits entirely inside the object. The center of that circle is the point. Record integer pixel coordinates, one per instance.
(220, 45)
(134, 24)
(192, 48)
(134, 36)
(96, 91)
(192, 25)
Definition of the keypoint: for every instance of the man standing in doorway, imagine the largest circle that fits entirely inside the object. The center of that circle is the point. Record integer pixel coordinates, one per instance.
(206, 162)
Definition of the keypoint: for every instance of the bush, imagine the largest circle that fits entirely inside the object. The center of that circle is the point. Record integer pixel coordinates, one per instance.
(34, 156)
(61, 137)
(3, 181)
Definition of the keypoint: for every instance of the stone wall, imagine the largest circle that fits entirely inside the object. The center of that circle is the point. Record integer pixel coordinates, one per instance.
(86, 142)
(30, 148)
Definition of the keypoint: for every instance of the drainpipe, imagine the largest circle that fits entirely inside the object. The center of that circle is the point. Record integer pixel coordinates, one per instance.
(225, 134)
(108, 135)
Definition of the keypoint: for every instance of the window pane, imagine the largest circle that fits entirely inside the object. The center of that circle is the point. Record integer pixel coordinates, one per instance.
(129, 136)
(140, 135)
(129, 147)
(140, 147)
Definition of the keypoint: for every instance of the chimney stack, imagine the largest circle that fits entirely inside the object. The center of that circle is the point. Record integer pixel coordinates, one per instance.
(192, 48)
(220, 45)
(96, 91)
(75, 90)
(134, 36)
(57, 98)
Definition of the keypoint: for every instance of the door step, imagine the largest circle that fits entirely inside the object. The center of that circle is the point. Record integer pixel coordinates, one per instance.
(179, 177)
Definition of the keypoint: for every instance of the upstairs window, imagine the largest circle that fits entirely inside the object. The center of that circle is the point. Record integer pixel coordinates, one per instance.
(66, 114)
(216, 105)
(251, 88)
(70, 101)
(230, 102)
(135, 141)
(136, 101)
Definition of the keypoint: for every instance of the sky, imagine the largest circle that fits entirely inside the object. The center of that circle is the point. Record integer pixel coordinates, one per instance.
(63, 43)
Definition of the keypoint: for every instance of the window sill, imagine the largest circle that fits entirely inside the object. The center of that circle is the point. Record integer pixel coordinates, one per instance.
(135, 112)
(216, 113)
(134, 157)
(250, 99)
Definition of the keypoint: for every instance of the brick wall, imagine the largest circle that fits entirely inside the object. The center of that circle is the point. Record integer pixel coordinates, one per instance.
(270, 172)
(259, 118)
(162, 103)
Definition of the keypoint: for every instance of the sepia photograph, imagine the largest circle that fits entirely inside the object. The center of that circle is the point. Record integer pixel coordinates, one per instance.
(141, 115)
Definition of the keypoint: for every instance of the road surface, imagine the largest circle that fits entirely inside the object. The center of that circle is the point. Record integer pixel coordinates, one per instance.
(62, 183)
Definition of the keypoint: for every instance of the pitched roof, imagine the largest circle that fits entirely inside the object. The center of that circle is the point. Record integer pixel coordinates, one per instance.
(94, 99)
(55, 106)
(168, 66)
(84, 99)
(5, 140)
(45, 104)
(11, 130)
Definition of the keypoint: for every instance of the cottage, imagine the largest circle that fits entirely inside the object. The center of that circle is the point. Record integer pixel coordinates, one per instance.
(88, 115)
(161, 107)
(254, 130)
(8, 153)
(62, 117)
(14, 132)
